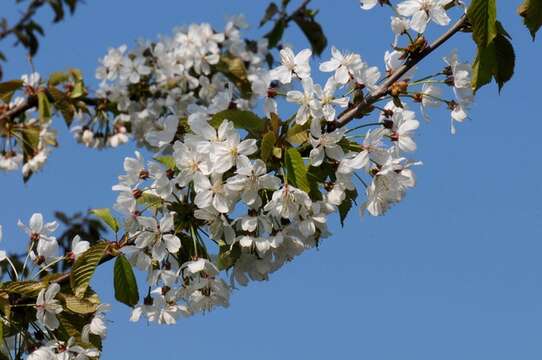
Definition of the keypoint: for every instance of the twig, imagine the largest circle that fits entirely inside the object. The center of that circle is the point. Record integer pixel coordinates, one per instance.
(26, 16)
(32, 102)
(357, 110)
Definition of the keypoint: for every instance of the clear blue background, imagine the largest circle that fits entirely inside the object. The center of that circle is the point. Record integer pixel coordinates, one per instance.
(453, 272)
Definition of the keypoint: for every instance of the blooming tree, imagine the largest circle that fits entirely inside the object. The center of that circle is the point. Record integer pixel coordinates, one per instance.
(247, 158)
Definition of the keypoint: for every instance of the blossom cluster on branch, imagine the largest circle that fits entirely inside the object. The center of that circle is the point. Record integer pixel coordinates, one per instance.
(226, 196)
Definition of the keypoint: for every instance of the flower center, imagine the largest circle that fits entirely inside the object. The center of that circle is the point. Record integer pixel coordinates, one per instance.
(426, 5)
(217, 187)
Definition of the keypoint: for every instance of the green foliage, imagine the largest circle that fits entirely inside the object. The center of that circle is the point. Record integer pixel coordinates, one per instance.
(298, 134)
(296, 170)
(44, 107)
(495, 61)
(482, 15)
(31, 140)
(150, 200)
(62, 102)
(227, 256)
(347, 204)
(270, 11)
(26, 30)
(531, 11)
(303, 17)
(125, 283)
(58, 8)
(312, 29)
(107, 217)
(275, 34)
(166, 160)
(78, 84)
(84, 305)
(83, 224)
(24, 288)
(71, 325)
(241, 119)
(495, 58)
(234, 69)
(8, 88)
(84, 268)
(58, 77)
(268, 143)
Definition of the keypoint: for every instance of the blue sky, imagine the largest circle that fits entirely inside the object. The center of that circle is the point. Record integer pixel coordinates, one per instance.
(453, 272)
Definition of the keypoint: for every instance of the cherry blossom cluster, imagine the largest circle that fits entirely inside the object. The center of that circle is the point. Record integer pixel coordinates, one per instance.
(31, 129)
(225, 196)
(216, 188)
(43, 254)
(155, 84)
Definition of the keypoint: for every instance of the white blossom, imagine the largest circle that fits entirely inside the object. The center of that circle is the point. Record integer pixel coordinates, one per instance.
(292, 65)
(47, 307)
(421, 12)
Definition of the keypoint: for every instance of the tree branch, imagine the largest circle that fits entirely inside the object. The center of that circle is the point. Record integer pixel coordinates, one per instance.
(32, 102)
(357, 110)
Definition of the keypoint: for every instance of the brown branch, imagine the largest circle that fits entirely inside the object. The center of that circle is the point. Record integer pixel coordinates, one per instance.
(29, 103)
(32, 102)
(357, 110)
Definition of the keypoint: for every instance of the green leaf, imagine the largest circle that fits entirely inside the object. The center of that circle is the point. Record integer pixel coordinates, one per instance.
(266, 148)
(84, 268)
(57, 78)
(227, 256)
(298, 134)
(313, 31)
(31, 138)
(349, 145)
(482, 15)
(71, 5)
(346, 205)
(277, 152)
(125, 282)
(275, 123)
(77, 305)
(167, 161)
(25, 288)
(44, 107)
(8, 88)
(107, 217)
(531, 12)
(241, 119)
(78, 86)
(496, 61)
(275, 35)
(71, 325)
(58, 9)
(63, 104)
(78, 90)
(76, 74)
(150, 200)
(296, 170)
(271, 10)
(483, 67)
(506, 60)
(235, 70)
